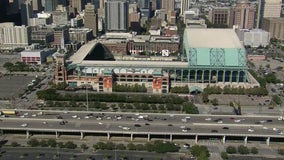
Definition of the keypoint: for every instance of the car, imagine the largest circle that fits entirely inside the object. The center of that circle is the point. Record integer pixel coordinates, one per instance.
(219, 119)
(62, 123)
(100, 123)
(74, 116)
(186, 145)
(214, 131)
(188, 117)
(170, 125)
(269, 120)
(184, 130)
(208, 119)
(215, 107)
(251, 130)
(225, 127)
(184, 120)
(33, 115)
(147, 124)
(126, 128)
(59, 117)
(44, 122)
(24, 125)
(220, 122)
(275, 129)
(137, 125)
(281, 118)
(182, 127)
(264, 128)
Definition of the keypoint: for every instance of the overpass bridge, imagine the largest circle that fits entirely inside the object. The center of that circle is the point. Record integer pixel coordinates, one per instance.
(147, 125)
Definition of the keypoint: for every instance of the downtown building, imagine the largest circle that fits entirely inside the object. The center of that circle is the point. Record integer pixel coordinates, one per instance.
(116, 16)
(90, 19)
(268, 9)
(12, 37)
(243, 15)
(205, 61)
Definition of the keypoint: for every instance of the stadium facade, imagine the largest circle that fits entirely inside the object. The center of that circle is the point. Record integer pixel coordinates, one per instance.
(210, 57)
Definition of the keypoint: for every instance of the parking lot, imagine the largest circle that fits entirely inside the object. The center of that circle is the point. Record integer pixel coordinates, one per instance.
(12, 86)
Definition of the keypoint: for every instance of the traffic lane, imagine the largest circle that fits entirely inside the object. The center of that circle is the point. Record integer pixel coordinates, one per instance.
(147, 128)
(156, 118)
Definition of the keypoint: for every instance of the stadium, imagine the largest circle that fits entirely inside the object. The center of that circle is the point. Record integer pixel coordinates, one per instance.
(212, 57)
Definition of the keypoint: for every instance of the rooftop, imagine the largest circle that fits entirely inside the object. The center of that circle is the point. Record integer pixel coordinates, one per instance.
(212, 38)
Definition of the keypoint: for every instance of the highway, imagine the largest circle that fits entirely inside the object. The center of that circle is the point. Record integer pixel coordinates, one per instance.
(111, 123)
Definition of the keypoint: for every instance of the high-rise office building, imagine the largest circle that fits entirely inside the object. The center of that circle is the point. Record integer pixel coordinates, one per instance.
(268, 9)
(50, 5)
(219, 15)
(76, 5)
(26, 13)
(184, 6)
(145, 8)
(116, 15)
(14, 36)
(243, 15)
(91, 18)
(37, 6)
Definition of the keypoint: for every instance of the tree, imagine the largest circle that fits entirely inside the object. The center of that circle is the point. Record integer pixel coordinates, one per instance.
(70, 145)
(224, 155)
(33, 142)
(84, 146)
(214, 102)
(60, 144)
(190, 108)
(197, 151)
(120, 146)
(9, 66)
(243, 149)
(281, 151)
(43, 143)
(15, 144)
(51, 143)
(254, 150)
(131, 146)
(276, 99)
(231, 150)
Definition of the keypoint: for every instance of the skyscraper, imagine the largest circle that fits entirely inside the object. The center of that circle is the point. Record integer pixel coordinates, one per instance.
(184, 6)
(268, 9)
(116, 15)
(26, 12)
(37, 6)
(243, 15)
(76, 5)
(91, 18)
(50, 5)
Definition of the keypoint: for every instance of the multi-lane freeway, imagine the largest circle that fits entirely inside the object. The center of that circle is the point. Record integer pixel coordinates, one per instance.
(148, 124)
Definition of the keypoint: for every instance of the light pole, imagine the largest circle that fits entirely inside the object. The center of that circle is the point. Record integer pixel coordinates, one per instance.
(87, 101)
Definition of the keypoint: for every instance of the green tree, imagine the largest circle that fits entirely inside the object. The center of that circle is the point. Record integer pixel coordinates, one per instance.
(276, 99)
(224, 156)
(51, 142)
(15, 144)
(60, 145)
(190, 108)
(33, 142)
(8, 66)
(243, 149)
(231, 150)
(214, 102)
(70, 145)
(120, 146)
(281, 151)
(254, 150)
(84, 146)
(43, 143)
(131, 146)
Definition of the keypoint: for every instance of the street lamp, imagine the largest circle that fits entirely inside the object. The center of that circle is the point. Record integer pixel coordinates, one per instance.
(87, 101)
